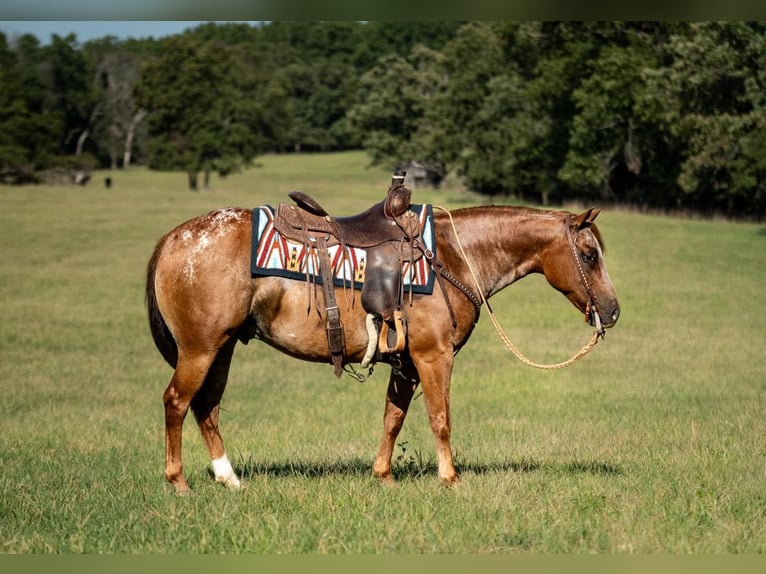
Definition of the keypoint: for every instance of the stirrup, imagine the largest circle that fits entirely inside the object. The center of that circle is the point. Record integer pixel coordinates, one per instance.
(400, 339)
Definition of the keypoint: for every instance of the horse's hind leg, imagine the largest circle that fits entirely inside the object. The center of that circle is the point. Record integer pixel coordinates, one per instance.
(205, 405)
(401, 388)
(188, 378)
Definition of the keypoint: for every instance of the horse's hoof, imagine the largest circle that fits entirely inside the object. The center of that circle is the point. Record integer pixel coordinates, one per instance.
(230, 482)
(387, 480)
(385, 477)
(180, 487)
(454, 480)
(182, 490)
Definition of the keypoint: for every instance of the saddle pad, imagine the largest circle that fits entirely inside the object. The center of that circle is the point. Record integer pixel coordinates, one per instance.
(274, 255)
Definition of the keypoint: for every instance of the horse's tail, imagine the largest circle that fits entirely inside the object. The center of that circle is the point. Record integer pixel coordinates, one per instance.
(161, 334)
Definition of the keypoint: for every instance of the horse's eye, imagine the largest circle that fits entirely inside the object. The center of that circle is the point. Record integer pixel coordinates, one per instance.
(590, 258)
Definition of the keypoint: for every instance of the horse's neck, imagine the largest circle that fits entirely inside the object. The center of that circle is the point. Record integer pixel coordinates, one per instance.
(505, 244)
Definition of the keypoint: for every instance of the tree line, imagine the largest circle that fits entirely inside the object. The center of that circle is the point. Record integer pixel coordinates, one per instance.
(666, 115)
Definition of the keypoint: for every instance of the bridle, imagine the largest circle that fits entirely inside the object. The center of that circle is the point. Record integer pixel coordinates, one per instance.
(592, 308)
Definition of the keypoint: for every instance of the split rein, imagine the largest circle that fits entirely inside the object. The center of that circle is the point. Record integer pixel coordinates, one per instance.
(592, 308)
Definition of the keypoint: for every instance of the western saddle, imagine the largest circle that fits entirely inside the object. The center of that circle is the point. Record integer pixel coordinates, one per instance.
(387, 231)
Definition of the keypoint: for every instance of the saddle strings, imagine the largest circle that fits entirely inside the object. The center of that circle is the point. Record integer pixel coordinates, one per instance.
(511, 347)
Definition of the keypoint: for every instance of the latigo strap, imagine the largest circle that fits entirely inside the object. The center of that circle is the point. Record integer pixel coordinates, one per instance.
(333, 323)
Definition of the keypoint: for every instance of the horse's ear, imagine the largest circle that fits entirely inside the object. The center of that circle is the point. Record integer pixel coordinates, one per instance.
(586, 218)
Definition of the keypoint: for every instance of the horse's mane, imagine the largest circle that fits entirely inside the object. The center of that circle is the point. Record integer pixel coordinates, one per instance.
(535, 212)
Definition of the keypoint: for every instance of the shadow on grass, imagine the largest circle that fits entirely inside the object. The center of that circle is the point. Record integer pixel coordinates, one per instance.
(416, 468)
(304, 468)
(576, 467)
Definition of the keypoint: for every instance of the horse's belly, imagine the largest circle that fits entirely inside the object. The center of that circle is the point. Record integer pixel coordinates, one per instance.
(288, 317)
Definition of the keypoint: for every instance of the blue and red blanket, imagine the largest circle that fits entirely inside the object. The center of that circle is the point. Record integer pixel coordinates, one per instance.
(272, 254)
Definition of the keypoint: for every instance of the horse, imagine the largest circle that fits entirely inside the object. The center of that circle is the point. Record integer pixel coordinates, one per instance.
(202, 300)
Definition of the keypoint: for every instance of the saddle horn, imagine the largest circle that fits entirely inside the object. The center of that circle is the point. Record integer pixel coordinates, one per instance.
(398, 177)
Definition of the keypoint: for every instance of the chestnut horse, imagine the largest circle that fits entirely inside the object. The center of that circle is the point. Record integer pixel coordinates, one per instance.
(202, 299)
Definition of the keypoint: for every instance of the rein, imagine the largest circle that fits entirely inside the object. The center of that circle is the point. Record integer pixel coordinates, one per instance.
(591, 308)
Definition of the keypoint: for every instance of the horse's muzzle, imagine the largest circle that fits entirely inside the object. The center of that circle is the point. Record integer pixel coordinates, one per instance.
(606, 318)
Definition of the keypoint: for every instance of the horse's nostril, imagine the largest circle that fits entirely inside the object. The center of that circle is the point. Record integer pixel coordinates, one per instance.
(615, 315)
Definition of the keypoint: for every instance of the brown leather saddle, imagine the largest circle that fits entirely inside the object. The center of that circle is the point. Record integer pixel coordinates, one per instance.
(387, 231)
(368, 229)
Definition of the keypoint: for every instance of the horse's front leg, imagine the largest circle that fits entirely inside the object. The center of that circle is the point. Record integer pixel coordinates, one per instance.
(401, 387)
(435, 369)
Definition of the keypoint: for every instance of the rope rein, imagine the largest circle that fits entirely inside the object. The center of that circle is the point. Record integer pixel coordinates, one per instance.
(511, 347)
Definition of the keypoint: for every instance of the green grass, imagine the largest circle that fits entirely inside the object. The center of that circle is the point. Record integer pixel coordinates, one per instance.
(655, 442)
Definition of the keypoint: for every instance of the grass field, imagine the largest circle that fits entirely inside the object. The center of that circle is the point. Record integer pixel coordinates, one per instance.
(654, 443)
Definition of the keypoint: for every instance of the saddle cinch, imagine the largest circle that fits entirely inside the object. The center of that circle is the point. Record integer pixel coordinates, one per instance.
(387, 231)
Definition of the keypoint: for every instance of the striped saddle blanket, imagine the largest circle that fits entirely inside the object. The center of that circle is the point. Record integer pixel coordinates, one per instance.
(274, 255)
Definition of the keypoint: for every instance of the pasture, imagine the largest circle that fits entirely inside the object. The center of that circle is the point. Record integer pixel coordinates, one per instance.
(653, 443)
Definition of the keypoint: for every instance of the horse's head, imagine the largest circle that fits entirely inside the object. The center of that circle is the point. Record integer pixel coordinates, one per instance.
(575, 266)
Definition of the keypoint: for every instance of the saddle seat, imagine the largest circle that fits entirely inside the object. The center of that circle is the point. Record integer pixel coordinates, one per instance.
(388, 220)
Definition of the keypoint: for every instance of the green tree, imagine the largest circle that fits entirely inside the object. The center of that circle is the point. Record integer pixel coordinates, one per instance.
(116, 66)
(29, 132)
(391, 110)
(614, 153)
(708, 96)
(530, 106)
(321, 78)
(209, 109)
(472, 60)
(381, 38)
(71, 91)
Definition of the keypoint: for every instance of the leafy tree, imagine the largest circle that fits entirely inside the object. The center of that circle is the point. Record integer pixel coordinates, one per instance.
(321, 79)
(71, 91)
(208, 111)
(708, 98)
(28, 130)
(425, 107)
(551, 59)
(393, 99)
(382, 38)
(323, 65)
(611, 150)
(472, 59)
(116, 68)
